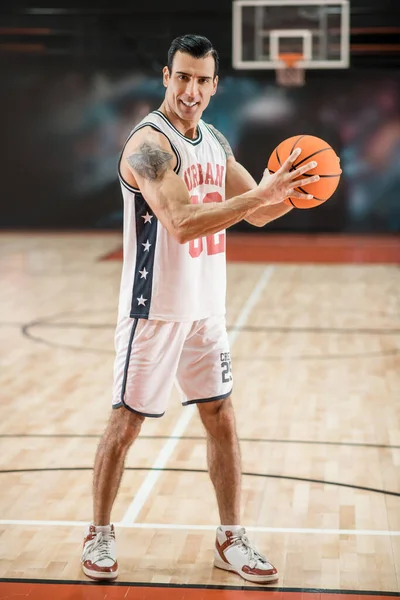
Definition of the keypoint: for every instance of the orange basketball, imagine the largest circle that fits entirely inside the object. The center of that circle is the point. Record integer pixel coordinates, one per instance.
(328, 167)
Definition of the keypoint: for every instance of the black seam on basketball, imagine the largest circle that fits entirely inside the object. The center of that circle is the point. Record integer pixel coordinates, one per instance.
(311, 155)
(277, 156)
(325, 176)
(290, 200)
(295, 144)
(314, 197)
(293, 168)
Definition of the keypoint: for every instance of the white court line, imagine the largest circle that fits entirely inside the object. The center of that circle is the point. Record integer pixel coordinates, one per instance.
(166, 451)
(174, 526)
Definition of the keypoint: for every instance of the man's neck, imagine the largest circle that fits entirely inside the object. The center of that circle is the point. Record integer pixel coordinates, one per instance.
(186, 128)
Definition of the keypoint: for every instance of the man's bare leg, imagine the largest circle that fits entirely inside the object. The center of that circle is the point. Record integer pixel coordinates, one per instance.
(122, 430)
(223, 457)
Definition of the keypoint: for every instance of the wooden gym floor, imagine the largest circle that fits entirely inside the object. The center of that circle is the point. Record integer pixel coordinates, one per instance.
(315, 338)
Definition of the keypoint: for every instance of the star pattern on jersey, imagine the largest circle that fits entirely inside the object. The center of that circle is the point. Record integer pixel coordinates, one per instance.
(147, 218)
(146, 224)
(146, 246)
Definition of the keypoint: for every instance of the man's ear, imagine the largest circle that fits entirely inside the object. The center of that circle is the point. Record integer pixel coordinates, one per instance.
(165, 76)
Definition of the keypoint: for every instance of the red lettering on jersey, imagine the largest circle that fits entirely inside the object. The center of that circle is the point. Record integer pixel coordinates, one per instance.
(200, 173)
(209, 175)
(219, 175)
(193, 168)
(194, 175)
(188, 181)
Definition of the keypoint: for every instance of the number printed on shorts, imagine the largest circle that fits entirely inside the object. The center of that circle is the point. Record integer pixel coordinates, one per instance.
(226, 367)
(215, 242)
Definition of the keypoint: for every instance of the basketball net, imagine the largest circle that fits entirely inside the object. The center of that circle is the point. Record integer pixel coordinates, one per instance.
(289, 74)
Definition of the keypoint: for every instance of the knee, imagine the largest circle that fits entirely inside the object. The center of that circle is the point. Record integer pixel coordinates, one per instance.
(218, 417)
(218, 408)
(124, 426)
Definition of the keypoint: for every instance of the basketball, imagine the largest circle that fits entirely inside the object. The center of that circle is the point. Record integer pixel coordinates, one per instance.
(328, 167)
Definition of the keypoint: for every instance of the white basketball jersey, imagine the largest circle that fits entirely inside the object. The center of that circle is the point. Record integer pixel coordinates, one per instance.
(162, 279)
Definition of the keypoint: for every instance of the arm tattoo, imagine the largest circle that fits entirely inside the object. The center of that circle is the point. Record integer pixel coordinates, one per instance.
(223, 141)
(150, 161)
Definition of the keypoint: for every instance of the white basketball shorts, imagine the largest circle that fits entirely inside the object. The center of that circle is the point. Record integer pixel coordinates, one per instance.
(152, 355)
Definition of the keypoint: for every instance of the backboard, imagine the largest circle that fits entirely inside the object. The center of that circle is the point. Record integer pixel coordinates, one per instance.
(316, 31)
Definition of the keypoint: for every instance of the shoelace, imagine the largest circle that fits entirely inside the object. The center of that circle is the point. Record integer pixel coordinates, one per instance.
(100, 546)
(240, 539)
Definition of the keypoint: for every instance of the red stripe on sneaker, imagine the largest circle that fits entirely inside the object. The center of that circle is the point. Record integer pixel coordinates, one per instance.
(220, 550)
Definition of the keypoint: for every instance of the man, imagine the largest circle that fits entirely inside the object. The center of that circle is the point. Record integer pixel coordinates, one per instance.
(176, 174)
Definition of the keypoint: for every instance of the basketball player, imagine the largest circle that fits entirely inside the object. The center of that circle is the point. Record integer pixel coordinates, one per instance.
(182, 188)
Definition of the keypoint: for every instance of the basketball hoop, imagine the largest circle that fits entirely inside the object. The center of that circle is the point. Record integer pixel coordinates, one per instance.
(288, 73)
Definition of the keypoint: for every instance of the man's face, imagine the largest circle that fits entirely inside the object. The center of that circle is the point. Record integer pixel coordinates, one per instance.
(190, 85)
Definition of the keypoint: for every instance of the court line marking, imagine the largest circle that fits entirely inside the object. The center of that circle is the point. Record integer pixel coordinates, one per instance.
(176, 526)
(166, 451)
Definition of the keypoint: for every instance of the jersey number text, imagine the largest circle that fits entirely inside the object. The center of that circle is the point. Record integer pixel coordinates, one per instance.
(215, 242)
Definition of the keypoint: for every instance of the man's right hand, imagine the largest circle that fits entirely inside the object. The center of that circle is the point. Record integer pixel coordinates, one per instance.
(273, 189)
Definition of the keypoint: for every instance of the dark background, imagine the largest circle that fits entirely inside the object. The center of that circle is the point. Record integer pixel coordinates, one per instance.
(76, 78)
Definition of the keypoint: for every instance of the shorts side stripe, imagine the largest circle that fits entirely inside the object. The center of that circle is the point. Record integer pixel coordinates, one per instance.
(128, 355)
(123, 388)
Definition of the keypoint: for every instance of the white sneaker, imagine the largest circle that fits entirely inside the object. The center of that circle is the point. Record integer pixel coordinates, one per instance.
(233, 552)
(99, 556)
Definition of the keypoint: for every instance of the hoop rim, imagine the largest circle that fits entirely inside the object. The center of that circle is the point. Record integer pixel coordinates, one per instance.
(289, 60)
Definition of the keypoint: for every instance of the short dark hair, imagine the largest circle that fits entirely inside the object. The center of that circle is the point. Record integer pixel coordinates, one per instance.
(197, 46)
